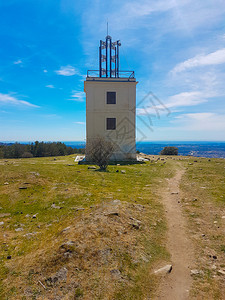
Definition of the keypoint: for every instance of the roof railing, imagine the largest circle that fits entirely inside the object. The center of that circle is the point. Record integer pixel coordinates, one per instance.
(121, 74)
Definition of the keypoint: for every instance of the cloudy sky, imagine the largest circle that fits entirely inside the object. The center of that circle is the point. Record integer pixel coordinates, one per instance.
(175, 47)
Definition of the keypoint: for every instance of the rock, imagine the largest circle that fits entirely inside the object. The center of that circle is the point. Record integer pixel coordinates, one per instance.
(221, 272)
(1, 223)
(115, 273)
(29, 234)
(112, 213)
(117, 171)
(123, 172)
(66, 229)
(79, 208)
(174, 193)
(68, 248)
(34, 216)
(19, 229)
(55, 206)
(116, 202)
(92, 167)
(136, 223)
(4, 215)
(144, 258)
(195, 199)
(190, 164)
(59, 276)
(214, 257)
(139, 207)
(27, 216)
(22, 187)
(35, 173)
(6, 183)
(9, 257)
(195, 272)
(164, 270)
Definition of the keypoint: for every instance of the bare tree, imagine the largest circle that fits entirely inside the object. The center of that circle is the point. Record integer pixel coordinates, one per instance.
(99, 152)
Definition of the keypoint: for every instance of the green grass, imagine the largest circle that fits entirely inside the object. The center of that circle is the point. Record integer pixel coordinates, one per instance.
(72, 186)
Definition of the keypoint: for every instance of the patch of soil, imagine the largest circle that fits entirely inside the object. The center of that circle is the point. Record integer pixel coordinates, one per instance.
(176, 284)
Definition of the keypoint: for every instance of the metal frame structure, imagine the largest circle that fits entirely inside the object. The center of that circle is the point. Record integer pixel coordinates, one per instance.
(109, 58)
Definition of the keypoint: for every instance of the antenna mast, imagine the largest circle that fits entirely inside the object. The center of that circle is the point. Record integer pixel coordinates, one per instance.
(109, 57)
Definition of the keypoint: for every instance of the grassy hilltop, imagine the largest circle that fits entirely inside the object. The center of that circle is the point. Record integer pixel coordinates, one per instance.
(70, 232)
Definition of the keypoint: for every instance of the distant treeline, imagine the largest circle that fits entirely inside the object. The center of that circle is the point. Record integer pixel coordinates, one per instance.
(36, 149)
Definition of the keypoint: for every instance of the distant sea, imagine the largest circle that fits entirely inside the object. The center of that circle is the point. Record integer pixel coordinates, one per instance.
(199, 149)
(193, 148)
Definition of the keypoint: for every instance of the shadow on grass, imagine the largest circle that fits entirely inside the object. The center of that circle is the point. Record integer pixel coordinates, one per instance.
(114, 163)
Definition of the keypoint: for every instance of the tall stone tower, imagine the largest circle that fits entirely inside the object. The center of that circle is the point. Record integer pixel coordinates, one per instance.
(111, 103)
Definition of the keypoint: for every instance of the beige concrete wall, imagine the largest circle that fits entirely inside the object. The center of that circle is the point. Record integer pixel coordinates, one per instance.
(97, 110)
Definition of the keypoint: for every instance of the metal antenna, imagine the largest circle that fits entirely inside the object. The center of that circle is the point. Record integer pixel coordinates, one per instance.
(107, 28)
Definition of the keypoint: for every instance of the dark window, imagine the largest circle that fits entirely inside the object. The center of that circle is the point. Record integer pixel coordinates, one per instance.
(111, 123)
(111, 98)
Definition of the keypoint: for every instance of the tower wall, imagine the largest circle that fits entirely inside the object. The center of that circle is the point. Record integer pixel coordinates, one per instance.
(124, 111)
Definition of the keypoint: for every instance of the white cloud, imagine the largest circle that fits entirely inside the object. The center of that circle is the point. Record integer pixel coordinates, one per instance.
(18, 62)
(179, 100)
(80, 123)
(186, 99)
(50, 86)
(77, 96)
(45, 71)
(67, 71)
(9, 99)
(214, 58)
(205, 121)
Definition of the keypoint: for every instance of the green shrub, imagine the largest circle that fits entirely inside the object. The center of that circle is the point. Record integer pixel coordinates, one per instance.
(169, 151)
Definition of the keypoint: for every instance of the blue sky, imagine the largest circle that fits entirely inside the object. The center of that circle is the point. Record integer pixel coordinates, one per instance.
(176, 48)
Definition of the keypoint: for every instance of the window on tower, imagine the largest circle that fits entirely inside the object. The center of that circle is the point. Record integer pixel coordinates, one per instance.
(111, 98)
(111, 123)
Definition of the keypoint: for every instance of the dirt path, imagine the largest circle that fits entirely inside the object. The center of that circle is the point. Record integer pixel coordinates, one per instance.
(176, 285)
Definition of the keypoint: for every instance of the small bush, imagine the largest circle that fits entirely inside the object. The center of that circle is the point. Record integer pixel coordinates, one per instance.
(169, 151)
(27, 155)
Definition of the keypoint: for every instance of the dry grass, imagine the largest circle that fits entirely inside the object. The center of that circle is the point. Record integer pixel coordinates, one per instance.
(203, 201)
(109, 256)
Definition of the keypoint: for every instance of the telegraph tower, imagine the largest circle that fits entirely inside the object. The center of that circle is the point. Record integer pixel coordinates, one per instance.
(111, 102)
